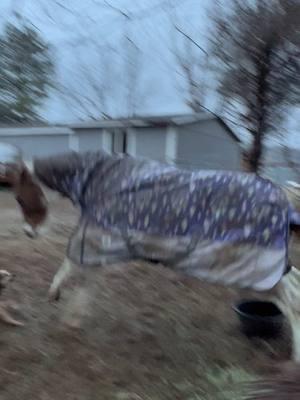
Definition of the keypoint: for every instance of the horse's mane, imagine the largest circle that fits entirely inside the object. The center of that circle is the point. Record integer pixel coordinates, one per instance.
(66, 173)
(47, 169)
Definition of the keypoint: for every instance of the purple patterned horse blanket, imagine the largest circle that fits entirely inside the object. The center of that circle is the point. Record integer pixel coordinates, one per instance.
(225, 227)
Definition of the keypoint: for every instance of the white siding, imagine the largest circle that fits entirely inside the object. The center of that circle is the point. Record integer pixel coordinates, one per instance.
(107, 140)
(74, 142)
(203, 144)
(119, 140)
(171, 145)
(89, 139)
(92, 139)
(151, 143)
(38, 146)
(131, 141)
(207, 145)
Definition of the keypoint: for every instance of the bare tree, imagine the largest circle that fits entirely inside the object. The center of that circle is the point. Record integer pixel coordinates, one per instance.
(192, 60)
(107, 82)
(132, 76)
(256, 44)
(91, 86)
(112, 81)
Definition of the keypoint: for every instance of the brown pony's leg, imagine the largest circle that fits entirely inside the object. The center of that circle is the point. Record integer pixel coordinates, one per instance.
(79, 302)
(7, 318)
(77, 308)
(286, 296)
(60, 277)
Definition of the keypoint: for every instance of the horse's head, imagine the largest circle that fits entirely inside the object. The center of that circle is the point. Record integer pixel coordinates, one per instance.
(30, 198)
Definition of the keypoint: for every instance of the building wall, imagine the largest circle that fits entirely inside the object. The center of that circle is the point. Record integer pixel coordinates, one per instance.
(151, 143)
(200, 145)
(119, 140)
(207, 145)
(275, 164)
(37, 145)
(280, 175)
(89, 139)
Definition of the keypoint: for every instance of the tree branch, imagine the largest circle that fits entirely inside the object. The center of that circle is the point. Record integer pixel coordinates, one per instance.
(190, 39)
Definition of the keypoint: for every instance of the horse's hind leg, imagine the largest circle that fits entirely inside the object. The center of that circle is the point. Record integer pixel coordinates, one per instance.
(60, 277)
(287, 298)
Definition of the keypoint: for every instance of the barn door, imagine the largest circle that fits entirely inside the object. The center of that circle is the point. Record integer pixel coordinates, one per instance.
(119, 141)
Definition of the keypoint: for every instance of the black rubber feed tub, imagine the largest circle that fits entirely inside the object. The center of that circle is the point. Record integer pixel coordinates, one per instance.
(259, 318)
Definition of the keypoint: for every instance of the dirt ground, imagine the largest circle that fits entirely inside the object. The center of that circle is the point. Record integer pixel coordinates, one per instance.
(153, 335)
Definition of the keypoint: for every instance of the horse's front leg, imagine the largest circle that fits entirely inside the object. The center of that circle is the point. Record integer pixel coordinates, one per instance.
(60, 277)
(79, 302)
(6, 317)
(287, 297)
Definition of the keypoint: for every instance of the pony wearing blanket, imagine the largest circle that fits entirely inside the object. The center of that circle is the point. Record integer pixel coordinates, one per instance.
(229, 228)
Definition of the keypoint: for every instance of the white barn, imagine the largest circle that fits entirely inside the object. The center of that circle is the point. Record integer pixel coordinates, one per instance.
(37, 141)
(191, 141)
(194, 141)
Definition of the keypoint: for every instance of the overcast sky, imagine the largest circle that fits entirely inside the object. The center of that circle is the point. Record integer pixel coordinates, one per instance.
(91, 38)
(71, 33)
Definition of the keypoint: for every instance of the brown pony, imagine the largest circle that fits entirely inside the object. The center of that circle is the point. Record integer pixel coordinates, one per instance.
(286, 294)
(33, 205)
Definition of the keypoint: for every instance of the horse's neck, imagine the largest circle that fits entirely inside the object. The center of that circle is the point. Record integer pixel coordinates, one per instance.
(27, 179)
(58, 173)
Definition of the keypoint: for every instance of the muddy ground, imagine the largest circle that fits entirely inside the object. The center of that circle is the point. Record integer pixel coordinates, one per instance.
(152, 335)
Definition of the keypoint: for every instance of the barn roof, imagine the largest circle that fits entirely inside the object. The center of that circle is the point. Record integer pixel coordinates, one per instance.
(32, 131)
(154, 121)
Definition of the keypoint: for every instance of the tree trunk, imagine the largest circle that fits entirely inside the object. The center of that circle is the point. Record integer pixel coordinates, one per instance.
(256, 152)
(263, 69)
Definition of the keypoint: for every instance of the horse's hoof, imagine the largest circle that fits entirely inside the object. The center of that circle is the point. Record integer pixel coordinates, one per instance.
(17, 323)
(73, 323)
(54, 295)
(8, 320)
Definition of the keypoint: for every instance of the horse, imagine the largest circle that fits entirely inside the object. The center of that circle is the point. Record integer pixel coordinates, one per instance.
(136, 209)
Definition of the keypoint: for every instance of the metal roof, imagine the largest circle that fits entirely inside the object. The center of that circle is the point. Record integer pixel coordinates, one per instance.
(33, 131)
(136, 122)
(154, 121)
(145, 121)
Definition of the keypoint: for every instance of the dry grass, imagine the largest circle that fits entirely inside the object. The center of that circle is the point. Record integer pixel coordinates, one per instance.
(153, 335)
